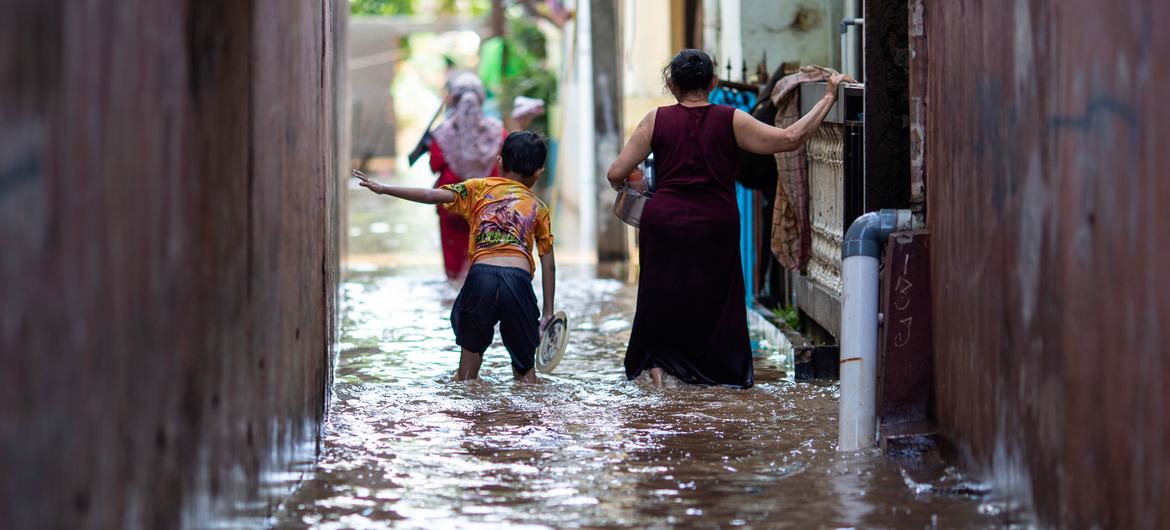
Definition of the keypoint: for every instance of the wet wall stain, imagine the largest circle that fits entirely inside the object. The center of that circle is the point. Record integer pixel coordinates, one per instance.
(806, 18)
(22, 171)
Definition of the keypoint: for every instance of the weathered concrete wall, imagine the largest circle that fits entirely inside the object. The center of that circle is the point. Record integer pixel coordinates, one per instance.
(916, 75)
(1046, 160)
(168, 220)
(802, 32)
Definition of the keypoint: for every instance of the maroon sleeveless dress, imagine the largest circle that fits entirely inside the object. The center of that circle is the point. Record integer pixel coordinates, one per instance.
(690, 319)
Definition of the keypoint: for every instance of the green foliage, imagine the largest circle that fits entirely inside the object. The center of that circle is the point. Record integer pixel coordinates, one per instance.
(528, 39)
(382, 7)
(473, 8)
(535, 82)
(789, 315)
(527, 74)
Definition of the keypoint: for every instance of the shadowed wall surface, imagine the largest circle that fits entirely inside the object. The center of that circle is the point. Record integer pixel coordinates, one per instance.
(1046, 147)
(168, 219)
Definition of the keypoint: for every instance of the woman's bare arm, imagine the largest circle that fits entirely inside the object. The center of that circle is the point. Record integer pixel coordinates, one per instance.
(761, 138)
(423, 195)
(636, 150)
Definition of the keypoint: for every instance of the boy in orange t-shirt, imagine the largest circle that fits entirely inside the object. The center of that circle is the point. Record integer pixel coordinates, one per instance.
(506, 221)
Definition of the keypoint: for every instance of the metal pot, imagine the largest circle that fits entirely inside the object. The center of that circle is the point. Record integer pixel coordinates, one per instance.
(629, 205)
(630, 202)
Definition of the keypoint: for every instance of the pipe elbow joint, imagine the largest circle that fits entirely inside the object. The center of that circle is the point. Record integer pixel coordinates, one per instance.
(868, 233)
(846, 22)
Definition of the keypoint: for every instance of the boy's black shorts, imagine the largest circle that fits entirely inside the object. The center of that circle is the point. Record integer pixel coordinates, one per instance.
(492, 294)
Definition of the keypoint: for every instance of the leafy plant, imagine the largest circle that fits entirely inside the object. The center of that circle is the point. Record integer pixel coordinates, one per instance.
(789, 315)
(526, 49)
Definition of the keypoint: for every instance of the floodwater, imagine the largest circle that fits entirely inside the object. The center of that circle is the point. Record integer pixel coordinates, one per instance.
(405, 447)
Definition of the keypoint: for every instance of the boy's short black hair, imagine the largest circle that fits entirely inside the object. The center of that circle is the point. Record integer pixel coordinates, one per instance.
(523, 153)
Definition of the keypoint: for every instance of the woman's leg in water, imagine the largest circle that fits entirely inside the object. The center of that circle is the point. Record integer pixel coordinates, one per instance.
(655, 372)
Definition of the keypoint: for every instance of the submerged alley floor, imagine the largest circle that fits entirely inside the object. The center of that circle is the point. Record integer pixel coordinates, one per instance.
(406, 447)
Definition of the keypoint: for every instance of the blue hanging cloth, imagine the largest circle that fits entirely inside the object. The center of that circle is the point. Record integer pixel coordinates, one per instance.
(745, 101)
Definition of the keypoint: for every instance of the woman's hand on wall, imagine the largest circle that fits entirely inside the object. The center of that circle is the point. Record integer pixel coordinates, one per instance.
(834, 81)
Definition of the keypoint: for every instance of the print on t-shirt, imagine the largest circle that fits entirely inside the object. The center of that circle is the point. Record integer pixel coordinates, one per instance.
(505, 217)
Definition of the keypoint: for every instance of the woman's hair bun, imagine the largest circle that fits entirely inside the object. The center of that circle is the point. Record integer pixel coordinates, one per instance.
(689, 71)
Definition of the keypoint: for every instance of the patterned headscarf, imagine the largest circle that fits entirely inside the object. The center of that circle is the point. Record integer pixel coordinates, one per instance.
(470, 141)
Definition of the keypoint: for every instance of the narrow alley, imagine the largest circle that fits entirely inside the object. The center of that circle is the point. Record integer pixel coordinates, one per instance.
(831, 264)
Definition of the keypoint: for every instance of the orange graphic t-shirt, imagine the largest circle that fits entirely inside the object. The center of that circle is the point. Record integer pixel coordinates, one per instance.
(505, 218)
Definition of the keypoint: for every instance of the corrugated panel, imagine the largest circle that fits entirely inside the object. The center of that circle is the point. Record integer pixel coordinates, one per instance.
(1046, 159)
(168, 206)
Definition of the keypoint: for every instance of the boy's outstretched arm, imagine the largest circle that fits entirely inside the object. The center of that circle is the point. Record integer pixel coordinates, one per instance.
(548, 281)
(423, 195)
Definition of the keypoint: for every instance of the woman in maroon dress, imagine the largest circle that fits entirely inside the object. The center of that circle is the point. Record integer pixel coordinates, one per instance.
(690, 320)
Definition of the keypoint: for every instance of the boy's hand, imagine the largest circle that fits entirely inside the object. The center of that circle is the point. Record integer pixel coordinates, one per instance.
(544, 320)
(366, 182)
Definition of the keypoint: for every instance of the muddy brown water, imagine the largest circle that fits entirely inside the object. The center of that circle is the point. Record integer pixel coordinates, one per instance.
(405, 447)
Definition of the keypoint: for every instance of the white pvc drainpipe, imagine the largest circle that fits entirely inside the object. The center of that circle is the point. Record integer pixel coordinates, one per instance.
(857, 421)
(850, 62)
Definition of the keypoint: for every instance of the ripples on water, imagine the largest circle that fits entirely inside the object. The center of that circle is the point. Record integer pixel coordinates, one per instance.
(406, 447)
